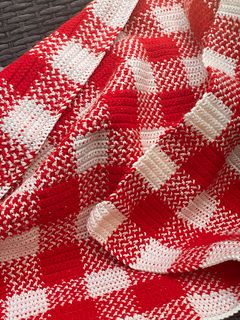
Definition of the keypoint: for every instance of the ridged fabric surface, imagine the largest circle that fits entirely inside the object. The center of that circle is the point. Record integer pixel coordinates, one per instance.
(120, 166)
(24, 22)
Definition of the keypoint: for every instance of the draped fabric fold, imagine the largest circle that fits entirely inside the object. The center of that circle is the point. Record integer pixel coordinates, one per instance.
(48, 77)
(121, 164)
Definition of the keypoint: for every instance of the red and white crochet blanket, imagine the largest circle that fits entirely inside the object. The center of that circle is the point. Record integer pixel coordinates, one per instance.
(120, 165)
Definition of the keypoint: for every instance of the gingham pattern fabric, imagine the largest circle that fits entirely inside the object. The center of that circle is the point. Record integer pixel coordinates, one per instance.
(120, 166)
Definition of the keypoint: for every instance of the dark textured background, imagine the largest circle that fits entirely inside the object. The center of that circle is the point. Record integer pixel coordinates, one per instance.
(235, 317)
(24, 22)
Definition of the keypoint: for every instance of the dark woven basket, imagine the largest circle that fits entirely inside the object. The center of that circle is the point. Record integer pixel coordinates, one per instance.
(24, 22)
(235, 317)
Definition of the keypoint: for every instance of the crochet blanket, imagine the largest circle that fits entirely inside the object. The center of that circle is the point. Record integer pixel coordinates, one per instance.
(120, 166)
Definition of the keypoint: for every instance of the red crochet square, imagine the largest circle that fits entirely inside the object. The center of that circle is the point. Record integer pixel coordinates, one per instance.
(24, 71)
(84, 310)
(151, 214)
(61, 264)
(122, 107)
(58, 201)
(204, 165)
(200, 17)
(158, 291)
(102, 75)
(2, 286)
(175, 104)
(160, 48)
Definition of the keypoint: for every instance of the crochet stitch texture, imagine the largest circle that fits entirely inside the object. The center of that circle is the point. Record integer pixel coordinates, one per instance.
(120, 166)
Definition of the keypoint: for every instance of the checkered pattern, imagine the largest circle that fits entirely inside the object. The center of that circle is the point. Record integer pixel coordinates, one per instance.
(120, 166)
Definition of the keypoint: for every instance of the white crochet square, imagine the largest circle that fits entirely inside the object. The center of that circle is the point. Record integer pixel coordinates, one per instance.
(215, 305)
(104, 220)
(234, 159)
(221, 251)
(76, 62)
(107, 281)
(209, 116)
(218, 61)
(149, 137)
(199, 211)
(18, 246)
(29, 123)
(143, 75)
(172, 19)
(113, 13)
(156, 257)
(27, 304)
(229, 8)
(91, 149)
(196, 72)
(156, 167)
